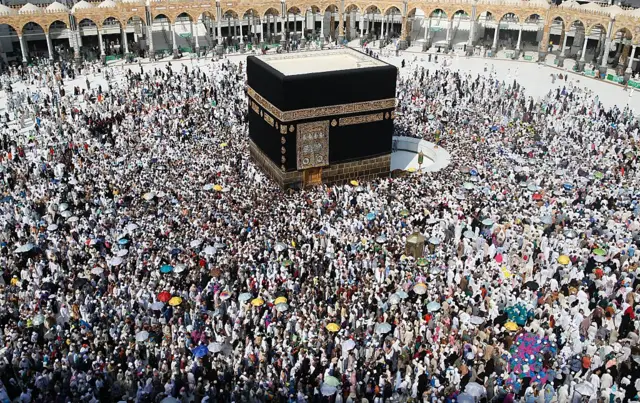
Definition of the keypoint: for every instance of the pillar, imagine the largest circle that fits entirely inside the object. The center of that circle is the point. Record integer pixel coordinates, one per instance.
(322, 28)
(195, 34)
(49, 45)
(100, 42)
(262, 32)
(219, 45)
(584, 49)
(384, 28)
(472, 30)
(564, 44)
(125, 42)
(361, 24)
(340, 24)
(295, 26)
(23, 48)
(404, 34)
(494, 47)
(605, 56)
(427, 30)
(519, 37)
(629, 70)
(449, 27)
(240, 21)
(175, 41)
(544, 42)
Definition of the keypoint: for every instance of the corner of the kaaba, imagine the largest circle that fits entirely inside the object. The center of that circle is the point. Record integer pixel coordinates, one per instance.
(325, 127)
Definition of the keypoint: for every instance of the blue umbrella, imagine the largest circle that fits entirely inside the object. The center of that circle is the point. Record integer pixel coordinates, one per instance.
(473, 172)
(200, 351)
(433, 306)
(568, 186)
(123, 241)
(85, 324)
(371, 216)
(166, 269)
(175, 251)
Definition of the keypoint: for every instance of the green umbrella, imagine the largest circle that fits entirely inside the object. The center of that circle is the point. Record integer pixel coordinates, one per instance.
(421, 261)
(331, 381)
(598, 175)
(404, 213)
(599, 252)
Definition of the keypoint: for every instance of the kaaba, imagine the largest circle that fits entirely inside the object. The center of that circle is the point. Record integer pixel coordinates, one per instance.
(321, 117)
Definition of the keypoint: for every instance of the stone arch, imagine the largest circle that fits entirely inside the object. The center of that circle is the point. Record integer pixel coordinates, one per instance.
(154, 17)
(528, 20)
(352, 6)
(372, 8)
(627, 33)
(594, 25)
(332, 8)
(50, 23)
(269, 11)
(560, 18)
(509, 14)
(111, 18)
(389, 8)
(12, 28)
(412, 11)
(45, 28)
(433, 11)
(293, 9)
(574, 24)
(211, 15)
(131, 18)
(489, 13)
(457, 12)
(250, 11)
(180, 14)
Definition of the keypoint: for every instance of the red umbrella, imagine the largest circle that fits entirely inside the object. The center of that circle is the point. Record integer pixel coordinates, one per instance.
(537, 196)
(164, 296)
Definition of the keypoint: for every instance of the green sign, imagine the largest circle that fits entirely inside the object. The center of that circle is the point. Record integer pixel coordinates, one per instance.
(420, 158)
(436, 29)
(634, 84)
(185, 49)
(508, 55)
(590, 73)
(614, 78)
(528, 58)
(112, 57)
(185, 35)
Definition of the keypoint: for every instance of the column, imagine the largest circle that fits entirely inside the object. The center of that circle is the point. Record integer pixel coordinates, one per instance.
(295, 25)
(282, 31)
(195, 34)
(519, 37)
(361, 23)
(322, 28)
(494, 47)
(629, 68)
(23, 48)
(49, 45)
(584, 49)
(219, 30)
(449, 27)
(125, 42)
(340, 24)
(173, 37)
(564, 44)
(262, 32)
(150, 41)
(427, 30)
(383, 28)
(472, 27)
(100, 41)
(605, 56)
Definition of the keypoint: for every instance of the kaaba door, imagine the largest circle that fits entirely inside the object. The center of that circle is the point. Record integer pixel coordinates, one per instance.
(312, 177)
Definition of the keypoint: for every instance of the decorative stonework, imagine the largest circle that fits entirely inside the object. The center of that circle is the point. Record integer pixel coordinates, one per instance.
(356, 120)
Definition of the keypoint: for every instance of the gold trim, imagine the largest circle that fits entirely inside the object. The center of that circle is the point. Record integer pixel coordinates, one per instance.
(255, 107)
(291, 128)
(283, 129)
(356, 120)
(312, 145)
(333, 123)
(268, 119)
(311, 113)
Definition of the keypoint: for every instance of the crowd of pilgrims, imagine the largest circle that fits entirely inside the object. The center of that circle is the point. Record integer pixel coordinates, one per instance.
(146, 258)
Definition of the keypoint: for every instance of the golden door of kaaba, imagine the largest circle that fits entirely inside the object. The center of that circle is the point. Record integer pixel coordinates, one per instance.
(312, 177)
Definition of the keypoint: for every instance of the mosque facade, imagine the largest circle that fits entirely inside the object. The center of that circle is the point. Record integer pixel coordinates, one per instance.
(114, 29)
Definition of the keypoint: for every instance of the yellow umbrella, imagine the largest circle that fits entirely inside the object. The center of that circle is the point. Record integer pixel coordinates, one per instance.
(280, 300)
(257, 302)
(223, 145)
(333, 327)
(412, 169)
(511, 326)
(354, 183)
(175, 301)
(217, 188)
(506, 272)
(564, 259)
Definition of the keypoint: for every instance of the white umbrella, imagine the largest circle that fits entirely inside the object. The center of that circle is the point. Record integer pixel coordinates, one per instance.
(38, 320)
(169, 399)
(585, 389)
(195, 243)
(116, 261)
(132, 227)
(280, 246)
(282, 307)
(142, 336)
(157, 306)
(122, 252)
(476, 320)
(383, 328)
(149, 196)
(66, 214)
(63, 207)
(210, 250)
(394, 299)
(97, 271)
(179, 268)
(475, 389)
(381, 239)
(215, 347)
(328, 390)
(25, 248)
(52, 227)
(348, 344)
(208, 186)
(72, 219)
(469, 234)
